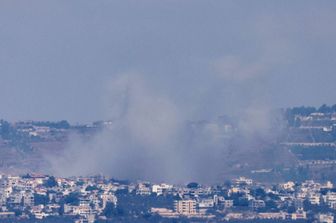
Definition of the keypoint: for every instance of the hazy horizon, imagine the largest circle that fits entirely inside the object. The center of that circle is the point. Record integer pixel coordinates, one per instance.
(59, 58)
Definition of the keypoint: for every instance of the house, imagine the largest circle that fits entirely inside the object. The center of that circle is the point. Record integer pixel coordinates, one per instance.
(326, 218)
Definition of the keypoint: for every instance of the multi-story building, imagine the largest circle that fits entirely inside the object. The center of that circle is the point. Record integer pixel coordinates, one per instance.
(255, 204)
(186, 207)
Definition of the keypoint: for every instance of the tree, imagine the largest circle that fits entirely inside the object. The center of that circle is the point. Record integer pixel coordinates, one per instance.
(72, 198)
(40, 199)
(91, 188)
(333, 108)
(193, 185)
(6, 130)
(325, 109)
(111, 210)
(51, 182)
(259, 193)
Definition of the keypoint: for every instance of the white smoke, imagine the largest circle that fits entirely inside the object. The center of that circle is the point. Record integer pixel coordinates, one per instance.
(150, 138)
(142, 142)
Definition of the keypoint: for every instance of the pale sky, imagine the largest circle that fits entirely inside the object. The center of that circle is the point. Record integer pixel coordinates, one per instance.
(58, 58)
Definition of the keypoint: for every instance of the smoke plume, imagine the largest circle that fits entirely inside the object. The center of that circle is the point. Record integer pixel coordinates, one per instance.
(152, 137)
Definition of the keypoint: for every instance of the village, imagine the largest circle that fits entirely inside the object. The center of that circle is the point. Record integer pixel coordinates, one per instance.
(100, 199)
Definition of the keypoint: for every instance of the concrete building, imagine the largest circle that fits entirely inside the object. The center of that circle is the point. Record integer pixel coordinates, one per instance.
(186, 207)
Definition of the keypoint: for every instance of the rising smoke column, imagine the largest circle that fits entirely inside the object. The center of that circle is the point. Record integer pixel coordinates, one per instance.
(151, 138)
(143, 140)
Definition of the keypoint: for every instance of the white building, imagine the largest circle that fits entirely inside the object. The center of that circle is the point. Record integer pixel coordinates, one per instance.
(160, 188)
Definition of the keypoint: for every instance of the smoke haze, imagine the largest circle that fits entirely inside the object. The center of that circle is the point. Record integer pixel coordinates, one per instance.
(165, 73)
(153, 137)
(64, 52)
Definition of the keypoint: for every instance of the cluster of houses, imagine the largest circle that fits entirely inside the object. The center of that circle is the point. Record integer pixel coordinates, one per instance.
(324, 121)
(88, 199)
(315, 129)
(39, 196)
(245, 200)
